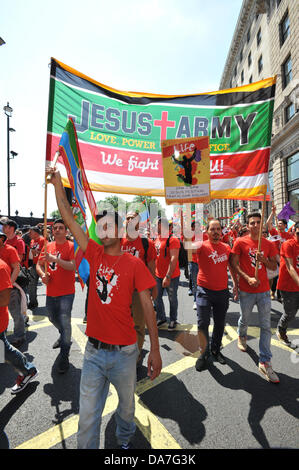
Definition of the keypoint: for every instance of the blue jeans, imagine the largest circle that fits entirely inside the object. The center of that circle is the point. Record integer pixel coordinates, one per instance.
(100, 368)
(172, 292)
(14, 308)
(60, 309)
(212, 302)
(193, 270)
(14, 357)
(263, 302)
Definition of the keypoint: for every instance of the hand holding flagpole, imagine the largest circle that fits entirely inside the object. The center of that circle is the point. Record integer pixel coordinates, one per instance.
(260, 236)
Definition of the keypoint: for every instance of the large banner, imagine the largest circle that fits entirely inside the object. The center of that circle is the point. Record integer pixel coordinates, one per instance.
(120, 133)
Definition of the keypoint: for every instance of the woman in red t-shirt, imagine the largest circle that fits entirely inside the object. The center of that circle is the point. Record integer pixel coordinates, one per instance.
(27, 371)
(167, 273)
(288, 284)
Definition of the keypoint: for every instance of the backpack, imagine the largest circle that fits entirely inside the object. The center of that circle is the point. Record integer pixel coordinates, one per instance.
(183, 257)
(145, 245)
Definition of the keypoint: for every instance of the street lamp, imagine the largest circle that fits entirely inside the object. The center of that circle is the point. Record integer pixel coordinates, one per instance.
(8, 111)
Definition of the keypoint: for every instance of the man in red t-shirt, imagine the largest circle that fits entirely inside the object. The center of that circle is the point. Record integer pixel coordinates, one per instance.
(60, 281)
(9, 228)
(167, 273)
(27, 371)
(254, 290)
(10, 255)
(144, 249)
(36, 245)
(213, 258)
(288, 284)
(111, 351)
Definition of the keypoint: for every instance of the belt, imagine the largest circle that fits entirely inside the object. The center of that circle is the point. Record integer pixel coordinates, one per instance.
(109, 347)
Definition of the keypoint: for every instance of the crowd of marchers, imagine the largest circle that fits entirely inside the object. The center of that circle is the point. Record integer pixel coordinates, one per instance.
(128, 275)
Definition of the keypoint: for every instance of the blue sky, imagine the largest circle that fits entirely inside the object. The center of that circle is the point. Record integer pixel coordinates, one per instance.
(155, 46)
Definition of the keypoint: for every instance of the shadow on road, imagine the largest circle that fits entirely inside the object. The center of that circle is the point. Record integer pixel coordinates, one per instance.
(264, 395)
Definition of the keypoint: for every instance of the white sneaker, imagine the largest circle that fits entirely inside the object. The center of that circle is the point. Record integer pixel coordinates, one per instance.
(266, 370)
(194, 306)
(23, 381)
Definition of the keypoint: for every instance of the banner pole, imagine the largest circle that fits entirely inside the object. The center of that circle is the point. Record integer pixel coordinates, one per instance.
(260, 234)
(47, 180)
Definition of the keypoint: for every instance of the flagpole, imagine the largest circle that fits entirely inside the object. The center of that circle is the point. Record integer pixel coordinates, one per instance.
(47, 180)
(260, 234)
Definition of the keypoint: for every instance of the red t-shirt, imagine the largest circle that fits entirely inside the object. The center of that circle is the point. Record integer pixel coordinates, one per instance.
(280, 237)
(5, 283)
(10, 255)
(38, 245)
(247, 248)
(18, 244)
(135, 247)
(112, 282)
(289, 249)
(212, 261)
(62, 281)
(163, 261)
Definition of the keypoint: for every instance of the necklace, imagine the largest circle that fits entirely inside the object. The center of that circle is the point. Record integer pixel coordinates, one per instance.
(115, 263)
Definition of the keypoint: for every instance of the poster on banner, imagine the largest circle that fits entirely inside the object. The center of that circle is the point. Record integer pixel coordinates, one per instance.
(120, 133)
(186, 169)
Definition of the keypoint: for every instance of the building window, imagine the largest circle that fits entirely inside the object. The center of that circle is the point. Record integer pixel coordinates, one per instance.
(259, 37)
(289, 112)
(293, 180)
(241, 55)
(294, 198)
(235, 71)
(242, 76)
(287, 72)
(248, 35)
(284, 28)
(249, 59)
(250, 79)
(293, 168)
(260, 64)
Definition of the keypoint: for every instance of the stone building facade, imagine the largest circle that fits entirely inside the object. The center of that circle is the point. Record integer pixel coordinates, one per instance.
(266, 43)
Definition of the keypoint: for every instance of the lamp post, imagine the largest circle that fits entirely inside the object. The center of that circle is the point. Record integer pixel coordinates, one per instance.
(8, 111)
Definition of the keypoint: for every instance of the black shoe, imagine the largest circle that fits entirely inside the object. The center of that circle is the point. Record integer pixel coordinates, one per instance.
(17, 342)
(32, 305)
(201, 363)
(218, 357)
(63, 365)
(56, 344)
(160, 322)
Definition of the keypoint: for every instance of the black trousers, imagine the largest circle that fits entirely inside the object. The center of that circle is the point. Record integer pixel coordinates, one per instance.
(211, 302)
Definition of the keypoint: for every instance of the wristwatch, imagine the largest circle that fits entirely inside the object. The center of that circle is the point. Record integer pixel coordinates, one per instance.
(168, 276)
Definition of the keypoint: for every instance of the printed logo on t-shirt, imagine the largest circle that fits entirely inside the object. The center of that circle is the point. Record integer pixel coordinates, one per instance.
(158, 246)
(252, 257)
(53, 266)
(106, 280)
(218, 258)
(132, 250)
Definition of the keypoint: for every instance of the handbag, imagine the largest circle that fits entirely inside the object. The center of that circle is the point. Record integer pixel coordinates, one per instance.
(23, 278)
